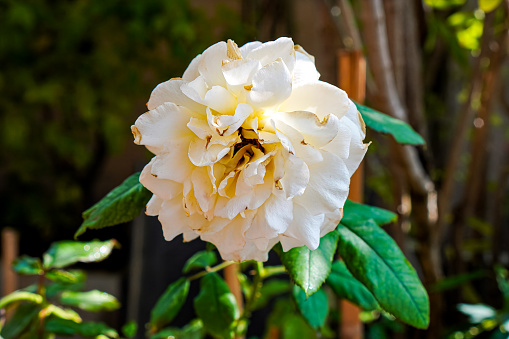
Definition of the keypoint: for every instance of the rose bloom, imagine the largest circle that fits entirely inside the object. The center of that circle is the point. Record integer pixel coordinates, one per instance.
(250, 149)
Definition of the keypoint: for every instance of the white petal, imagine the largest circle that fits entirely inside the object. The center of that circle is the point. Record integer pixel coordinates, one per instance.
(163, 188)
(206, 152)
(169, 91)
(231, 207)
(357, 148)
(154, 205)
(327, 190)
(191, 71)
(317, 97)
(200, 127)
(203, 188)
(272, 218)
(340, 145)
(331, 221)
(210, 64)
(315, 132)
(270, 51)
(174, 165)
(296, 177)
(271, 85)
(305, 69)
(173, 218)
(162, 126)
(304, 227)
(220, 99)
(240, 72)
(247, 48)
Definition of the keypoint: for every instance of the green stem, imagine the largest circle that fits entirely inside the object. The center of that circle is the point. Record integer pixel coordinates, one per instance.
(273, 270)
(255, 289)
(210, 270)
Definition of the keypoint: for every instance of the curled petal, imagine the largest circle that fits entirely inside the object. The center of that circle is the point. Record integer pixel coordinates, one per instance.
(247, 48)
(169, 91)
(225, 125)
(210, 64)
(317, 97)
(154, 206)
(173, 165)
(191, 71)
(172, 218)
(270, 51)
(304, 230)
(272, 85)
(164, 188)
(305, 70)
(315, 132)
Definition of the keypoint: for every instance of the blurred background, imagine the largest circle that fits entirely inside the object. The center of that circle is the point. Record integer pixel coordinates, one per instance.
(74, 75)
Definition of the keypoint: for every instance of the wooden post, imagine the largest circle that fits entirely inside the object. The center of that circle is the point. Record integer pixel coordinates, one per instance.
(231, 278)
(352, 79)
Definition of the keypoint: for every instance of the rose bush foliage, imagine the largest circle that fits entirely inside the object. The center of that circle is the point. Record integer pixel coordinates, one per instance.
(251, 149)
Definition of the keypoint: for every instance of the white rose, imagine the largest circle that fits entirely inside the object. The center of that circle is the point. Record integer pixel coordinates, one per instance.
(250, 149)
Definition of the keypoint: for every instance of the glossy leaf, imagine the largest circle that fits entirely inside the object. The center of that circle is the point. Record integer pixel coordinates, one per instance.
(27, 265)
(22, 317)
(353, 213)
(65, 253)
(374, 259)
(216, 306)
(85, 329)
(193, 330)
(444, 4)
(347, 287)
(62, 276)
(62, 313)
(169, 304)
(309, 269)
(54, 288)
(383, 123)
(199, 260)
(489, 5)
(288, 322)
(91, 301)
(16, 296)
(129, 329)
(124, 203)
(313, 308)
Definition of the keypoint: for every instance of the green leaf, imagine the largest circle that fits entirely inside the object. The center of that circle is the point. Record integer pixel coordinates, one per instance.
(21, 318)
(62, 313)
(65, 253)
(169, 304)
(380, 122)
(489, 5)
(294, 326)
(122, 204)
(216, 306)
(269, 290)
(59, 286)
(313, 308)
(289, 323)
(374, 259)
(62, 276)
(309, 269)
(20, 296)
(85, 329)
(193, 330)
(129, 329)
(444, 4)
(353, 213)
(27, 265)
(199, 260)
(347, 287)
(91, 301)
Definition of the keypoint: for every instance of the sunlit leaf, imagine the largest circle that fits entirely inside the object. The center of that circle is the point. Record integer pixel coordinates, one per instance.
(380, 122)
(444, 4)
(270, 289)
(62, 313)
(20, 296)
(65, 253)
(122, 204)
(91, 301)
(489, 5)
(62, 276)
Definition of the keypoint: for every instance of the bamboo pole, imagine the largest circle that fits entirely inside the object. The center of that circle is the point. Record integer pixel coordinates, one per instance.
(10, 249)
(352, 79)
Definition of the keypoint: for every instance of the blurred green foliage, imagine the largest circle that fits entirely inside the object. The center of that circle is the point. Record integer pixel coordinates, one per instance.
(74, 74)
